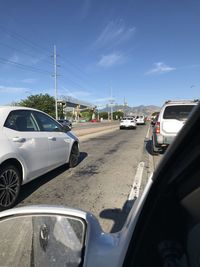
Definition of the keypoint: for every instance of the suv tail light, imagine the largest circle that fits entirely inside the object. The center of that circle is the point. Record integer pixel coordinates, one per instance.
(157, 127)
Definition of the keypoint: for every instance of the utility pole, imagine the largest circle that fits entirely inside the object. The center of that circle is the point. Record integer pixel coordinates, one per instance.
(111, 104)
(108, 111)
(125, 104)
(55, 82)
(111, 107)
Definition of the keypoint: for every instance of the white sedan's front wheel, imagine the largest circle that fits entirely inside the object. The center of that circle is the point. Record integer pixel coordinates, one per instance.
(74, 156)
(10, 184)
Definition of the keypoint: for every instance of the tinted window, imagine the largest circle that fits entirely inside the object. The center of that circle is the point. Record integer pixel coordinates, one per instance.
(128, 118)
(47, 124)
(177, 112)
(21, 120)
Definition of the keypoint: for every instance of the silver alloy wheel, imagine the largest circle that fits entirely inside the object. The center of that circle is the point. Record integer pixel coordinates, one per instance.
(10, 183)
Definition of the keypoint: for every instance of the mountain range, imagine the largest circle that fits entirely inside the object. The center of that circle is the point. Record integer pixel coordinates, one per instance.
(138, 110)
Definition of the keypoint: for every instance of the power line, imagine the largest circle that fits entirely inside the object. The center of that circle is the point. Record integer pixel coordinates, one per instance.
(33, 45)
(72, 65)
(23, 66)
(73, 82)
(24, 40)
(25, 53)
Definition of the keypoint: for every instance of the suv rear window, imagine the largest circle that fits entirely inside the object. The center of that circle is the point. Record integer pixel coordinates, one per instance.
(128, 118)
(179, 112)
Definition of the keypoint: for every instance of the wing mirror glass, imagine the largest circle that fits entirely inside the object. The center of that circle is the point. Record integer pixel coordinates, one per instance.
(42, 240)
(66, 128)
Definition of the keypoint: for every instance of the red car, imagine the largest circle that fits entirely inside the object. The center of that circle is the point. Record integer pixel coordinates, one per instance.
(95, 120)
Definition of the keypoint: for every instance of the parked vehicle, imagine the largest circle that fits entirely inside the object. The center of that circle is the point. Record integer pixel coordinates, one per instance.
(171, 119)
(32, 143)
(128, 122)
(154, 119)
(140, 120)
(95, 120)
(162, 228)
(65, 122)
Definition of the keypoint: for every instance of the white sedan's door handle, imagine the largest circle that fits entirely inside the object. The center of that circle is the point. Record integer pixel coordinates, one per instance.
(51, 138)
(19, 139)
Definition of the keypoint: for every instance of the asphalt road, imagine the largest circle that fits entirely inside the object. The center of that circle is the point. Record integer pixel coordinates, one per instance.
(102, 181)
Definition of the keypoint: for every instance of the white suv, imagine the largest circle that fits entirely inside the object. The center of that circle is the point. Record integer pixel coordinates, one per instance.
(171, 119)
(128, 122)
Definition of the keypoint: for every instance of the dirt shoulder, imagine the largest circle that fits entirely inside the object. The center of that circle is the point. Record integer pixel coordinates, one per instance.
(88, 131)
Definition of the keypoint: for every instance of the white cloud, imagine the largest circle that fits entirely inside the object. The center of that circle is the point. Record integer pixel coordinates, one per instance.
(103, 99)
(30, 81)
(13, 90)
(114, 34)
(80, 94)
(111, 60)
(160, 68)
(14, 57)
(76, 94)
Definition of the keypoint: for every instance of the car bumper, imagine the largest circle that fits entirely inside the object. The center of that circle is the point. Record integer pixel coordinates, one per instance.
(164, 140)
(127, 126)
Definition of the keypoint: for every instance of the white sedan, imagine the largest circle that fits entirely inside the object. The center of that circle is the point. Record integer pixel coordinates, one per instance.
(128, 122)
(32, 143)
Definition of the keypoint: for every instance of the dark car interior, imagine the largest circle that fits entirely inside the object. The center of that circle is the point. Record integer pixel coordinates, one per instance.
(168, 231)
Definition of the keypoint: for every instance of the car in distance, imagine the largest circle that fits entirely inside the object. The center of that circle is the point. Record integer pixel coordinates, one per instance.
(94, 120)
(154, 119)
(128, 122)
(161, 229)
(171, 119)
(140, 120)
(65, 122)
(32, 143)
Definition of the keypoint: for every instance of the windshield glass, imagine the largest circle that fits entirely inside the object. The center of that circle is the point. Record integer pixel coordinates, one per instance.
(98, 72)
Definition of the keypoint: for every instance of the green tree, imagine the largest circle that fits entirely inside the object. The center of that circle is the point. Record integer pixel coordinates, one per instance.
(154, 114)
(103, 115)
(87, 114)
(117, 115)
(43, 102)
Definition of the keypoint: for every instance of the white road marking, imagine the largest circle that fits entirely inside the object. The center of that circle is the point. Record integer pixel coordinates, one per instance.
(151, 164)
(148, 131)
(136, 182)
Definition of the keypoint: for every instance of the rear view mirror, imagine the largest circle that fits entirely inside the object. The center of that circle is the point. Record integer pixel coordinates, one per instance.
(42, 240)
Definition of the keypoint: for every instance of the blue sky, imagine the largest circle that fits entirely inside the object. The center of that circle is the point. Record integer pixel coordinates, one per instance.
(146, 51)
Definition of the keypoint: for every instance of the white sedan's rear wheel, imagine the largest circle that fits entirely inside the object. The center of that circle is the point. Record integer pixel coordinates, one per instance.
(10, 184)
